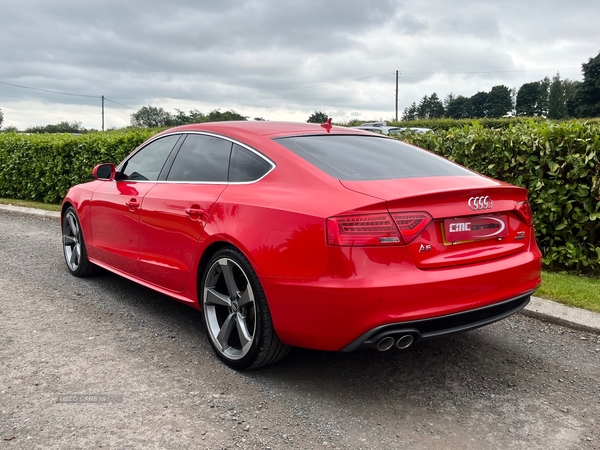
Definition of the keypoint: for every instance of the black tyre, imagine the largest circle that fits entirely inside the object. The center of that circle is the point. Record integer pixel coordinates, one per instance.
(74, 245)
(236, 313)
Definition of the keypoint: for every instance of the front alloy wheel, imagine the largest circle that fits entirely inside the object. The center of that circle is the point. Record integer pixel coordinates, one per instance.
(236, 314)
(74, 246)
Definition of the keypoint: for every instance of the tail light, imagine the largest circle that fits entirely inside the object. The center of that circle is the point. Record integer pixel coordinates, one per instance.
(524, 210)
(375, 229)
(411, 224)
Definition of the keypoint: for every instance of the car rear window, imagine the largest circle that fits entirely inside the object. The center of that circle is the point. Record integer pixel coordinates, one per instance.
(355, 158)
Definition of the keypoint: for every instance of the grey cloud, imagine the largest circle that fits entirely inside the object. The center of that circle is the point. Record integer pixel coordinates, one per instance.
(262, 54)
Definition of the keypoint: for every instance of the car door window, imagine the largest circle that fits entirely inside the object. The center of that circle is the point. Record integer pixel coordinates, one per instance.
(246, 165)
(147, 163)
(202, 159)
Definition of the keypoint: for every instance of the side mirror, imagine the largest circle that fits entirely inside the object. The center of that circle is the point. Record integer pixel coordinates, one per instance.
(105, 172)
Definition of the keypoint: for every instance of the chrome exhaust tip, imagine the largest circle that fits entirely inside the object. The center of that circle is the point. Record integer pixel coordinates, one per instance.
(385, 343)
(405, 341)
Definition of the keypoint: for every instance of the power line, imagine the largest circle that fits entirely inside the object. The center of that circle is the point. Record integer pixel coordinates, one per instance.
(48, 90)
(215, 96)
(297, 88)
(489, 71)
(117, 103)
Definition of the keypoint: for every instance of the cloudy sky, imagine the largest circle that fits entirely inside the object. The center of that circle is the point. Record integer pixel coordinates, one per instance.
(279, 60)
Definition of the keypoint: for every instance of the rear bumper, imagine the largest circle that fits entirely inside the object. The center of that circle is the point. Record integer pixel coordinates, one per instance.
(344, 310)
(441, 326)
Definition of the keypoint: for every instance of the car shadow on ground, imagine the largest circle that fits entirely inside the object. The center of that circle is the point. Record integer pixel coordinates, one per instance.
(455, 370)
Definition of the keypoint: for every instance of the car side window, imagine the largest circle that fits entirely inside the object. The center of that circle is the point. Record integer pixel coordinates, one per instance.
(201, 158)
(246, 165)
(147, 163)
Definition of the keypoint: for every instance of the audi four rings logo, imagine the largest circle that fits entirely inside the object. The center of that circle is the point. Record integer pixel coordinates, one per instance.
(480, 203)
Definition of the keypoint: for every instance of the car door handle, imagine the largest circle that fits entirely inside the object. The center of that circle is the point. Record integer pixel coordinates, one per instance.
(194, 213)
(132, 204)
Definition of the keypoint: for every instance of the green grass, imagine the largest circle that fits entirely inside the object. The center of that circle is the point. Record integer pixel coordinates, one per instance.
(571, 289)
(30, 204)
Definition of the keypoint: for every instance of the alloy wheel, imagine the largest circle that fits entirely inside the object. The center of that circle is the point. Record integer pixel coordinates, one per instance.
(229, 308)
(72, 241)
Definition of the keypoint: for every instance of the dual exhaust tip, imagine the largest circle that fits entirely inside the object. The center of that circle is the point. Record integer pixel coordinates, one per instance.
(401, 343)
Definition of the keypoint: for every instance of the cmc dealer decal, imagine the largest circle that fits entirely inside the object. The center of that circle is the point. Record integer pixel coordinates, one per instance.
(470, 229)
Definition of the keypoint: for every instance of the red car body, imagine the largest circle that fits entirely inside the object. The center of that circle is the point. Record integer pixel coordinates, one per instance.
(325, 289)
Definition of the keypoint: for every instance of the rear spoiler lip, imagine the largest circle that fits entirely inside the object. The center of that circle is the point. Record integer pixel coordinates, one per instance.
(415, 188)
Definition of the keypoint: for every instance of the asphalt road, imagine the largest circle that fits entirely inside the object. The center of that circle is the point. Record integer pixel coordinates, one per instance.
(516, 384)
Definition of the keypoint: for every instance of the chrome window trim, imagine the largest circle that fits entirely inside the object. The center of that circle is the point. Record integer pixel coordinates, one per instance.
(204, 133)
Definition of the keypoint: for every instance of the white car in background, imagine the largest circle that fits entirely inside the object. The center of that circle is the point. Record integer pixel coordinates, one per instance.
(381, 127)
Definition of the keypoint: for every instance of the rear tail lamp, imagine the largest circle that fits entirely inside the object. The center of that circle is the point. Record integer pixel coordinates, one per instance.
(362, 230)
(375, 229)
(411, 224)
(524, 210)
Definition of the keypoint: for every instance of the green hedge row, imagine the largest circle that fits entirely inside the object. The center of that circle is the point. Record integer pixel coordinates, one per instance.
(559, 164)
(42, 167)
(446, 123)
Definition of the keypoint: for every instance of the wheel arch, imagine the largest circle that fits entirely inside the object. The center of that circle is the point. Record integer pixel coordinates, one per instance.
(66, 204)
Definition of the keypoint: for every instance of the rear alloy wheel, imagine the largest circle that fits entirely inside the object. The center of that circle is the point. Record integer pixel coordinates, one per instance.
(236, 314)
(74, 246)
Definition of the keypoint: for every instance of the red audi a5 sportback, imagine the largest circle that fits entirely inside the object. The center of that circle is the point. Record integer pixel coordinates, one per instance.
(306, 235)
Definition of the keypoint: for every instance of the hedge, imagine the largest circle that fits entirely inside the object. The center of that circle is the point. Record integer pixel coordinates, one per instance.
(557, 161)
(42, 167)
(505, 122)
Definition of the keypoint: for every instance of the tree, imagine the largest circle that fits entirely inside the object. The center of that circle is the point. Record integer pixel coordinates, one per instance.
(587, 96)
(150, 116)
(10, 129)
(557, 107)
(449, 98)
(1, 118)
(436, 108)
(527, 99)
(423, 108)
(430, 107)
(61, 127)
(499, 102)
(217, 116)
(458, 108)
(410, 113)
(542, 103)
(478, 104)
(181, 118)
(570, 87)
(196, 116)
(317, 117)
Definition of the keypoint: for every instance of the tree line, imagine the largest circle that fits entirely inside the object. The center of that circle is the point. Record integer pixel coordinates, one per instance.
(145, 117)
(151, 116)
(554, 99)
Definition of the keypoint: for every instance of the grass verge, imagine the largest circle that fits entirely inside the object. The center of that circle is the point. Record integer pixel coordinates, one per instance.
(567, 288)
(30, 204)
(571, 289)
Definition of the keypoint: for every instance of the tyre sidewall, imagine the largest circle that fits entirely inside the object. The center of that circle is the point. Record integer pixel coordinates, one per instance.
(82, 268)
(260, 303)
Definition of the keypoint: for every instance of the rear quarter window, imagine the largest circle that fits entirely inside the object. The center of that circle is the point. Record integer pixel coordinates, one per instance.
(357, 158)
(246, 166)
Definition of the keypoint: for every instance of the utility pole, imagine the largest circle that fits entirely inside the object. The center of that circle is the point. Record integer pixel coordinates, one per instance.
(396, 96)
(103, 106)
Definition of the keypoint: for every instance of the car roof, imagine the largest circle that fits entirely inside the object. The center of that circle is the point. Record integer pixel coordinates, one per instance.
(263, 128)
